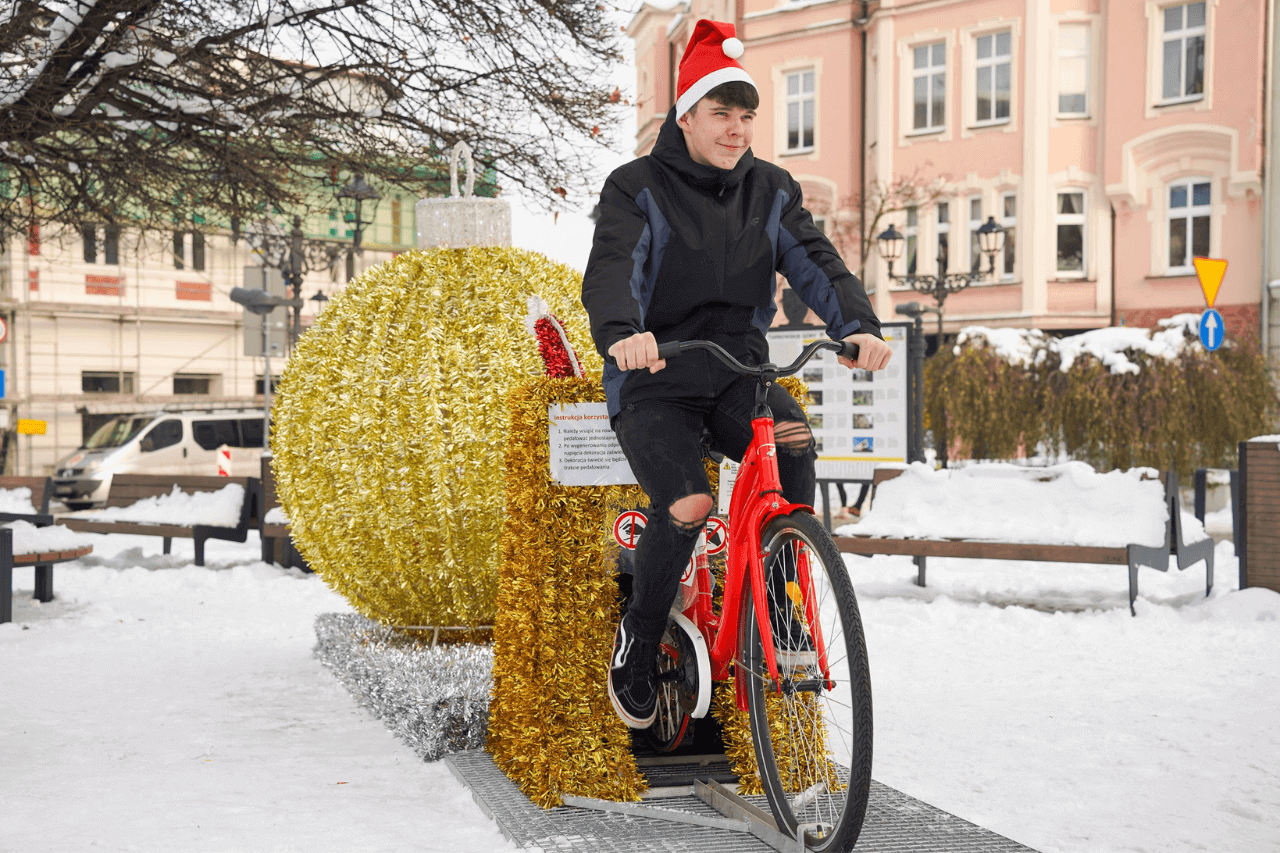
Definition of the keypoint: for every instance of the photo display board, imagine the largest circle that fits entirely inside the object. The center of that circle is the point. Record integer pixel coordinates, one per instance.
(859, 419)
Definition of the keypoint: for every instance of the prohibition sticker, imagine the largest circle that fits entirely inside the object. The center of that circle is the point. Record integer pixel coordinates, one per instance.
(717, 535)
(628, 527)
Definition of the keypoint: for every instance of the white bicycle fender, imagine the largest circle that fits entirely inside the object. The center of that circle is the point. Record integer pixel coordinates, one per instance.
(704, 663)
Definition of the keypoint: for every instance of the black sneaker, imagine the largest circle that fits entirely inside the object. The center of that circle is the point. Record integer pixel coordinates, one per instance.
(631, 687)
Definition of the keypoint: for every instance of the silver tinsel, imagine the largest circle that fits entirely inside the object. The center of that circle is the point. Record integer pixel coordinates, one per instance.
(434, 698)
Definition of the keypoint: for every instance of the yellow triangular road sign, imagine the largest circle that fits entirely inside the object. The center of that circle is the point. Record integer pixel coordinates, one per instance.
(1210, 272)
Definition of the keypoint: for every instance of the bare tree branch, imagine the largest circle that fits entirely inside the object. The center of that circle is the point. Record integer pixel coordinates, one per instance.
(151, 111)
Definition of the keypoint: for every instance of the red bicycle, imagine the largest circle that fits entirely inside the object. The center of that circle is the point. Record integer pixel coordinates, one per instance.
(788, 629)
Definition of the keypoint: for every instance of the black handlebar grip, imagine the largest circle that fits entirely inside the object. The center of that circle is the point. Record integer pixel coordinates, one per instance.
(849, 351)
(670, 349)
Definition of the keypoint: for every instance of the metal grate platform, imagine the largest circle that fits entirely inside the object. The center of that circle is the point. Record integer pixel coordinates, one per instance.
(896, 823)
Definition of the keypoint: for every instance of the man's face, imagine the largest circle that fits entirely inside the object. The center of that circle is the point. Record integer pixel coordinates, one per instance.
(715, 134)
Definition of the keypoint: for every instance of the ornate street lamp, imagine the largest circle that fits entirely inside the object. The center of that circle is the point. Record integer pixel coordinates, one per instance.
(361, 192)
(295, 256)
(990, 242)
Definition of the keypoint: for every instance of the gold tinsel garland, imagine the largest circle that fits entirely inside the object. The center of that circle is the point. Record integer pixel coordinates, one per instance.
(551, 727)
(390, 423)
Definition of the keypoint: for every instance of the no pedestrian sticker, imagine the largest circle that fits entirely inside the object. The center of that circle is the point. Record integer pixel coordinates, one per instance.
(717, 535)
(628, 527)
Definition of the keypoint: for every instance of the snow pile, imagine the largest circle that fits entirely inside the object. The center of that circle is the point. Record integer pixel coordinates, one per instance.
(276, 515)
(435, 698)
(219, 509)
(29, 539)
(17, 500)
(1113, 346)
(1068, 504)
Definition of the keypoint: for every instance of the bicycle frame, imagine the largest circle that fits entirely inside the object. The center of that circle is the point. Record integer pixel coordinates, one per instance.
(757, 500)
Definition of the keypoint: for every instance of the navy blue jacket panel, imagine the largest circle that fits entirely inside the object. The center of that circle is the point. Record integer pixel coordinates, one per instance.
(688, 251)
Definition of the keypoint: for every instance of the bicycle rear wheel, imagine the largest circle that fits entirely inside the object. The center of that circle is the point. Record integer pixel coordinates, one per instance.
(812, 728)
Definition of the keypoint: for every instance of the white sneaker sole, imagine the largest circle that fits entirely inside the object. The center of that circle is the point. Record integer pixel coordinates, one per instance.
(632, 722)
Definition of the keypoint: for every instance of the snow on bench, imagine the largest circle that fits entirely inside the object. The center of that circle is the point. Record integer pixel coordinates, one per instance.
(197, 508)
(1063, 513)
(23, 543)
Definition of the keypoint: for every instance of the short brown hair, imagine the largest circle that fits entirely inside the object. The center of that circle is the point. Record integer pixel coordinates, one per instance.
(735, 93)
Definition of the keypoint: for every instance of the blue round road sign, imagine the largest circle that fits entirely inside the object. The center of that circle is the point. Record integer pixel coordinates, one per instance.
(1211, 330)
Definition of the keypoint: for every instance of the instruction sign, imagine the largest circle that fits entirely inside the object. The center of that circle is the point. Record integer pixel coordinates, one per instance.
(584, 450)
(858, 418)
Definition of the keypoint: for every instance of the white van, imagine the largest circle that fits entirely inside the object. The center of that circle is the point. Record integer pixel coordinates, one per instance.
(184, 442)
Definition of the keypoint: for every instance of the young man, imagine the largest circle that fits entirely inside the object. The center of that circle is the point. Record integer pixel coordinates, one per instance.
(686, 247)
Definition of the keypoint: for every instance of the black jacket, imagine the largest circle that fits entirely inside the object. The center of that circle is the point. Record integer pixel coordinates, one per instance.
(688, 251)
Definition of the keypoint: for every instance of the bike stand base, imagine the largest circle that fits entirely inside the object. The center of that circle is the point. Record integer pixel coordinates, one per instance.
(896, 823)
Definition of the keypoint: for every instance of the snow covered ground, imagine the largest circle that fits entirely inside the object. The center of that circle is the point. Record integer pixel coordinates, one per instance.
(157, 706)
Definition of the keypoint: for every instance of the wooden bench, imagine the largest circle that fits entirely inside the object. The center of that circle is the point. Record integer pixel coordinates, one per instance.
(41, 493)
(277, 541)
(128, 489)
(1131, 555)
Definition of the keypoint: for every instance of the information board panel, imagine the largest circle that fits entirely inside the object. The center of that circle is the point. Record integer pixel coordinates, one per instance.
(859, 419)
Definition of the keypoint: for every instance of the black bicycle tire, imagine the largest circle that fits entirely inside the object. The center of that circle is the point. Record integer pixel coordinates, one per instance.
(851, 817)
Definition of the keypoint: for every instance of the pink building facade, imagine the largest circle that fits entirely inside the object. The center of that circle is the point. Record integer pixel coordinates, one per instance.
(1115, 140)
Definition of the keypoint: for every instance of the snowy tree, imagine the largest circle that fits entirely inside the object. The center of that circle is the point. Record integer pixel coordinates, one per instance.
(151, 112)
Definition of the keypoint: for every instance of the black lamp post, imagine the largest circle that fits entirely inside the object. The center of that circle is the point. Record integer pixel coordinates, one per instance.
(990, 241)
(915, 374)
(361, 192)
(294, 255)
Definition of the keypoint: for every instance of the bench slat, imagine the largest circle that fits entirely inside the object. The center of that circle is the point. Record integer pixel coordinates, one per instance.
(974, 549)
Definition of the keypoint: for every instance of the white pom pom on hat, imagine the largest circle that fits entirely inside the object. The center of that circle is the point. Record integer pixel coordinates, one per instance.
(733, 48)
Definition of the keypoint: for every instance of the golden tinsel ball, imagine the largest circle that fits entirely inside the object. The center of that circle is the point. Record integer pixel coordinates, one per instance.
(390, 423)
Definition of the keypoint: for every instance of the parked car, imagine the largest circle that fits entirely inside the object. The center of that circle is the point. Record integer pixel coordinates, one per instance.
(184, 442)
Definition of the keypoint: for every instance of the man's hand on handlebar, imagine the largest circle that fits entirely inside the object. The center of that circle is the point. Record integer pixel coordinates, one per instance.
(873, 353)
(637, 352)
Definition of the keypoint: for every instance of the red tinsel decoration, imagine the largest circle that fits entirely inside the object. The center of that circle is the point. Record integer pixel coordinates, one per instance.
(552, 350)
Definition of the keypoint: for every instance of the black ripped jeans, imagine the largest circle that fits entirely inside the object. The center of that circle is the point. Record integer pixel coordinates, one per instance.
(662, 440)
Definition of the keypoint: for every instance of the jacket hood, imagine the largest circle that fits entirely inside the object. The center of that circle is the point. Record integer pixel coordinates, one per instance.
(671, 150)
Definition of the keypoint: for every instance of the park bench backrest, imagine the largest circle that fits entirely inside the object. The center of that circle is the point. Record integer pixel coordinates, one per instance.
(128, 489)
(41, 489)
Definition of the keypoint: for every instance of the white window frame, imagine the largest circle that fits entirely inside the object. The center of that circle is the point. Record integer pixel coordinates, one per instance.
(992, 64)
(1181, 36)
(929, 72)
(1081, 219)
(799, 100)
(1188, 214)
(975, 244)
(911, 241)
(1008, 264)
(1065, 55)
(941, 230)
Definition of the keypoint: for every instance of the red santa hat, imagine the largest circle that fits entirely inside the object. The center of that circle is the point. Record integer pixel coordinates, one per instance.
(711, 58)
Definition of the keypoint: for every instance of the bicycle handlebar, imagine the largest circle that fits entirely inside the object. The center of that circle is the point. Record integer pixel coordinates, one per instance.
(845, 349)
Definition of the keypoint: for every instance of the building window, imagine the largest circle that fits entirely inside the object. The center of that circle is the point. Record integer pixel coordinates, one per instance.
(1073, 70)
(929, 86)
(97, 382)
(110, 243)
(1189, 212)
(1070, 221)
(1182, 52)
(257, 384)
(180, 249)
(911, 231)
(800, 111)
(1009, 219)
(193, 383)
(995, 76)
(975, 245)
(944, 235)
